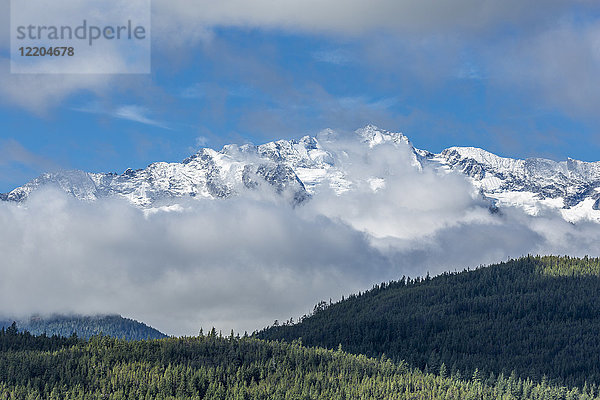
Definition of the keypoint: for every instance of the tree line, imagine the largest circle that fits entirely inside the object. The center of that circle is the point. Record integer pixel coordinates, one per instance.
(212, 367)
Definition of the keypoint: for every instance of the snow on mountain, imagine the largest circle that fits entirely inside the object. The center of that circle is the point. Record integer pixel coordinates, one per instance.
(572, 186)
(206, 174)
(296, 169)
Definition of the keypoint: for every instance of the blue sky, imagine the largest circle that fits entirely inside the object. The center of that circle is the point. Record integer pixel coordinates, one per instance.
(518, 80)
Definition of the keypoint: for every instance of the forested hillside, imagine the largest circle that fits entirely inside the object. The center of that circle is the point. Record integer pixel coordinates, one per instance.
(211, 367)
(538, 316)
(86, 326)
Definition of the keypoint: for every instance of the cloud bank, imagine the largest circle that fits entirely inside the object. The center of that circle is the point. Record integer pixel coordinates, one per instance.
(360, 16)
(243, 262)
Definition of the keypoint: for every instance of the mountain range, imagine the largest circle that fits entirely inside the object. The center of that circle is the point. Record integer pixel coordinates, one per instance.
(296, 169)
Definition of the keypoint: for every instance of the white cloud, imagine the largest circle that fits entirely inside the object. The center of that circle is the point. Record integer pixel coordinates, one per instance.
(139, 114)
(130, 112)
(559, 65)
(231, 263)
(41, 92)
(202, 141)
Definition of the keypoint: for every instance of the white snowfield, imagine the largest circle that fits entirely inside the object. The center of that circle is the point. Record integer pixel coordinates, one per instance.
(297, 169)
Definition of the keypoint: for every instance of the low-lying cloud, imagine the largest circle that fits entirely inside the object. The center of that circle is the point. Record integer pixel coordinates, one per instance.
(243, 262)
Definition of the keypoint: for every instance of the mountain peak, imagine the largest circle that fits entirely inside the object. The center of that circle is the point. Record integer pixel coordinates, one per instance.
(373, 136)
(299, 168)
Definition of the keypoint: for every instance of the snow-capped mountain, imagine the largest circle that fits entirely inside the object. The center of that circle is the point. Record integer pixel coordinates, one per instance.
(296, 169)
(572, 186)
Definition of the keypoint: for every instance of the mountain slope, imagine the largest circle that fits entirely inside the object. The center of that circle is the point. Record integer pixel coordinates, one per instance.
(296, 169)
(86, 326)
(537, 316)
